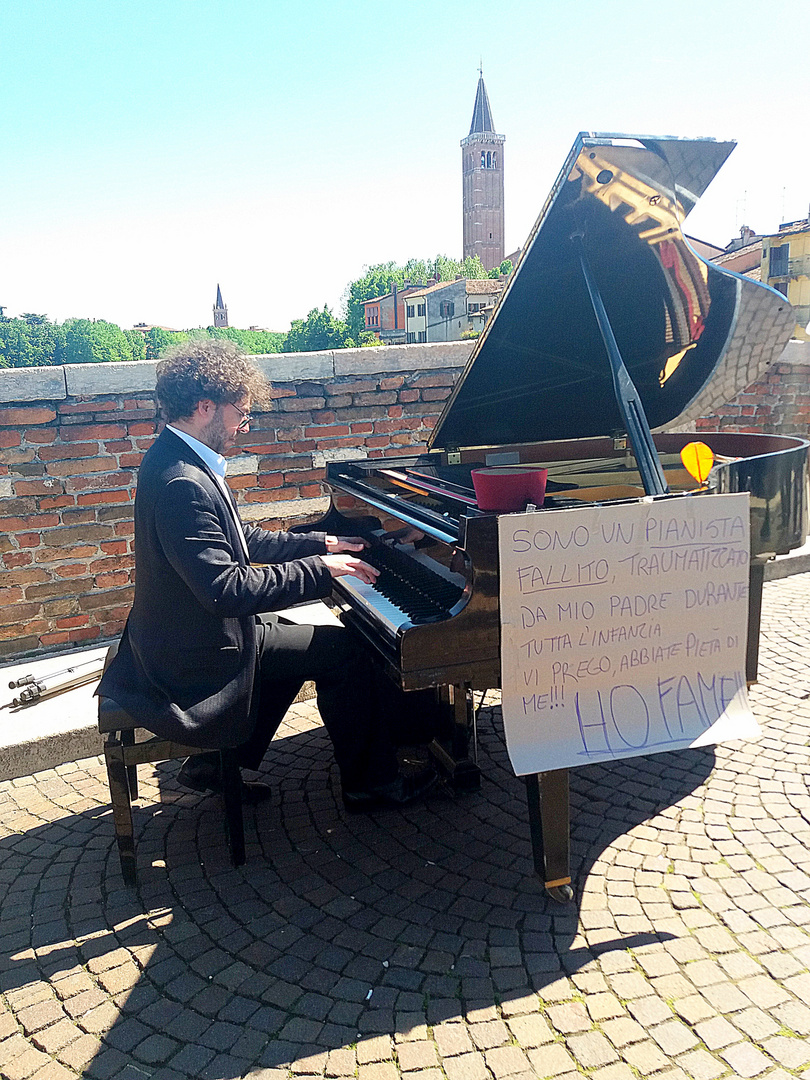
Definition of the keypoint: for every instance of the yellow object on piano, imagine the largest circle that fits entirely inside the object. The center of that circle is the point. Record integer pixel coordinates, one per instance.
(698, 459)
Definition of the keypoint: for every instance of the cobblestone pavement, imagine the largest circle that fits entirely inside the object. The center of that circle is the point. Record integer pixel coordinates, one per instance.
(419, 943)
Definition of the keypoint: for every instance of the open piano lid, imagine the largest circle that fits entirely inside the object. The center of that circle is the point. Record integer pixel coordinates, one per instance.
(691, 334)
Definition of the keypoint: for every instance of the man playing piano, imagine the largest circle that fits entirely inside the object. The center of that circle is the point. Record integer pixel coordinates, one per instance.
(203, 660)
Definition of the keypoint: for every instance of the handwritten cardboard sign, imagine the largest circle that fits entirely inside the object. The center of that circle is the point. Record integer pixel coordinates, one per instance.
(623, 630)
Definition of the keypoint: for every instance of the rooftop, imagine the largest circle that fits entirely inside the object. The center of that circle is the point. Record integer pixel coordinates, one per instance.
(483, 285)
(792, 227)
(473, 286)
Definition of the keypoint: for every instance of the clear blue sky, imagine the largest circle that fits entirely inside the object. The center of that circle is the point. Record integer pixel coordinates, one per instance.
(153, 149)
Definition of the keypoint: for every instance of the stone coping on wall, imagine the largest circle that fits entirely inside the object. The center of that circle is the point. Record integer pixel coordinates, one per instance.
(796, 352)
(53, 729)
(92, 380)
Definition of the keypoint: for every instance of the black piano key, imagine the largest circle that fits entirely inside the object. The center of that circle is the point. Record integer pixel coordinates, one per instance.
(423, 595)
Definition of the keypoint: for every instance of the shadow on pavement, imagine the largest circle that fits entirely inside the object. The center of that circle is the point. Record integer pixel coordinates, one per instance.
(338, 930)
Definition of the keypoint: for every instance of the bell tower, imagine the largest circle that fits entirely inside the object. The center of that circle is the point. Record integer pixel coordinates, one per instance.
(482, 178)
(220, 311)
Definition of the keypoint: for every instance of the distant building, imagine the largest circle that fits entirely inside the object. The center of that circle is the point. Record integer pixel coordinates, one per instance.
(482, 179)
(220, 311)
(745, 239)
(384, 315)
(145, 327)
(448, 309)
(781, 260)
(704, 248)
(785, 267)
(743, 255)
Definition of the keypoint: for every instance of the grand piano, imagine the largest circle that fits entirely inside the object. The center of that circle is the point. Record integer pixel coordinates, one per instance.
(612, 337)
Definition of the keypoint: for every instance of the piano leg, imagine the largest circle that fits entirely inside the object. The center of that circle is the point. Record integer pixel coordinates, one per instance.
(450, 749)
(756, 578)
(547, 795)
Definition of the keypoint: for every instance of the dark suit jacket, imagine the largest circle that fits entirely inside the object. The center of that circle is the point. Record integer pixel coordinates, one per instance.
(186, 665)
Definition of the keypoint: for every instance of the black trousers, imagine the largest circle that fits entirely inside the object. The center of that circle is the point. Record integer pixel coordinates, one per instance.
(353, 700)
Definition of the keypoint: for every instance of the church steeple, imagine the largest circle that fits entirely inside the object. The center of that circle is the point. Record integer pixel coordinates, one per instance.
(220, 311)
(482, 114)
(482, 178)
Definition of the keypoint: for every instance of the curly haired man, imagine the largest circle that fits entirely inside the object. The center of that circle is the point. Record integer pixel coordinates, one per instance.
(203, 660)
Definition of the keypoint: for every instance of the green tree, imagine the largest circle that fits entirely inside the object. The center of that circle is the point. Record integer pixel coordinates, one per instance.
(96, 342)
(15, 349)
(264, 341)
(78, 342)
(251, 341)
(504, 270)
(157, 341)
(320, 330)
(137, 346)
(472, 267)
(377, 281)
(31, 341)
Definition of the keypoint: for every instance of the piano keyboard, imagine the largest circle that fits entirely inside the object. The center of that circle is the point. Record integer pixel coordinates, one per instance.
(411, 588)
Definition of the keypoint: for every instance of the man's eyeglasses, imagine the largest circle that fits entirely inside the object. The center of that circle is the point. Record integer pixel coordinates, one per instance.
(246, 418)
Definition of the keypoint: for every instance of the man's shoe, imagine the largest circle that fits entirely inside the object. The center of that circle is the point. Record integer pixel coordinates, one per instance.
(202, 774)
(398, 792)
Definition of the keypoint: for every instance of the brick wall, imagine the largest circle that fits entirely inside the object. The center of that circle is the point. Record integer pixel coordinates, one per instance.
(778, 403)
(71, 439)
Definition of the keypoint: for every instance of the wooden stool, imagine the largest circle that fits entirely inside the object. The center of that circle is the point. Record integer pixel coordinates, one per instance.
(123, 755)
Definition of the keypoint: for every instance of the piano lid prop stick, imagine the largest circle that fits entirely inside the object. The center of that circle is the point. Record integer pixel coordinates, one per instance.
(627, 397)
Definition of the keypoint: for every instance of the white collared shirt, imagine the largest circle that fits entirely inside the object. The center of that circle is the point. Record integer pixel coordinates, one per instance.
(218, 466)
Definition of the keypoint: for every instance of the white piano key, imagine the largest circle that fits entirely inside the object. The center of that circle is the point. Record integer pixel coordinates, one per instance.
(368, 597)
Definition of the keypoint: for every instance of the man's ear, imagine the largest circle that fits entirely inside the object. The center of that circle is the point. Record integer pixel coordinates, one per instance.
(205, 409)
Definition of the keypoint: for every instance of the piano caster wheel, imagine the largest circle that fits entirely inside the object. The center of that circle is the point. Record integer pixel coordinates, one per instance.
(563, 894)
